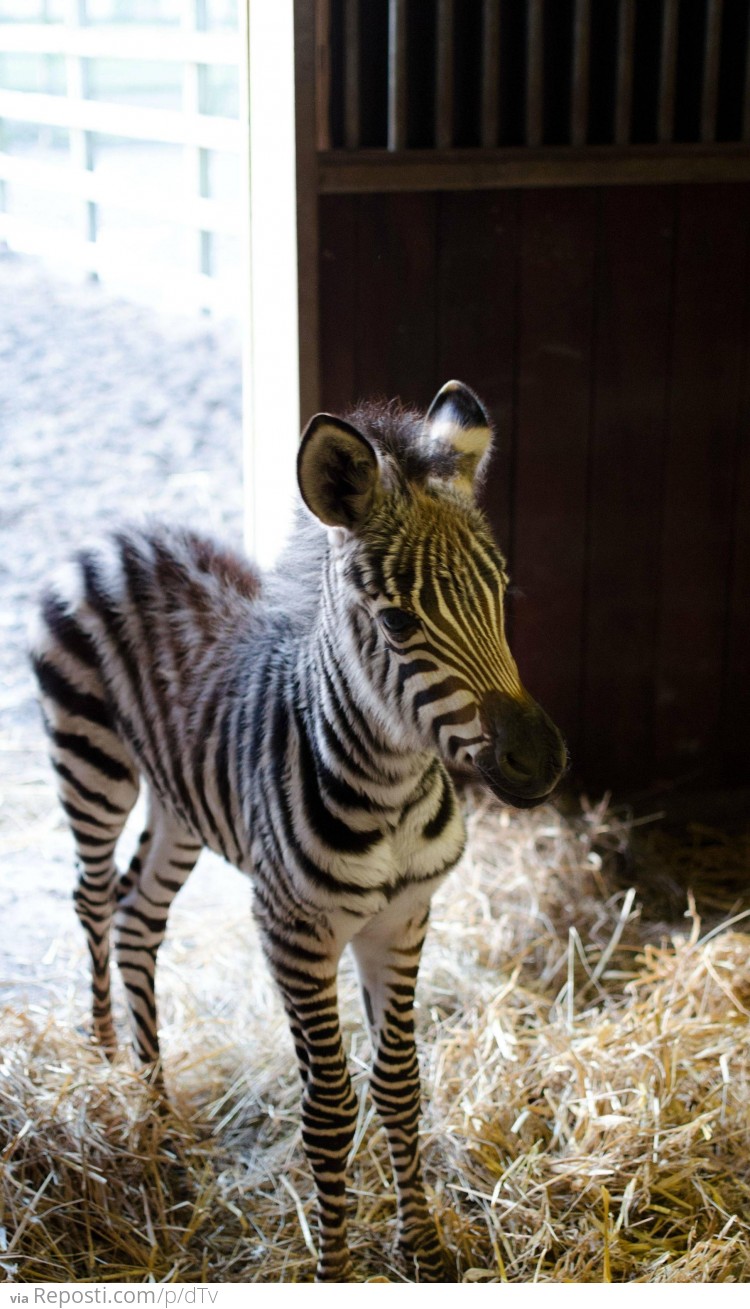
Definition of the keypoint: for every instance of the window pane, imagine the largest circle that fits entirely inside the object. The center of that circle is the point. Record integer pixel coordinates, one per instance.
(224, 176)
(220, 90)
(220, 14)
(142, 166)
(136, 82)
(132, 12)
(31, 72)
(35, 139)
(33, 11)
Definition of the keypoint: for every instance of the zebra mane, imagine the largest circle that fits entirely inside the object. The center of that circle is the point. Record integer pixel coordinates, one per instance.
(399, 434)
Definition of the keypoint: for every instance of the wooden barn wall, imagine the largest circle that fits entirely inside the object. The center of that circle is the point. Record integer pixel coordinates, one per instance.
(608, 330)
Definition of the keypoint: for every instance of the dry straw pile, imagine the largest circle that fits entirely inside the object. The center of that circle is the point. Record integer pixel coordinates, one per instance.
(586, 1067)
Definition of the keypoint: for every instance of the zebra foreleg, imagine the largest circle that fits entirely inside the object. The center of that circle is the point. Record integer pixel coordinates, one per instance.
(387, 954)
(329, 1105)
(165, 858)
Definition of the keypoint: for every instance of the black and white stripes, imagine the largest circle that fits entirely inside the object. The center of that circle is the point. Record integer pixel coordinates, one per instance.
(299, 724)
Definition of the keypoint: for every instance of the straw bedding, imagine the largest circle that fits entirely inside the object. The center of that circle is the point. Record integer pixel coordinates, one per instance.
(586, 1071)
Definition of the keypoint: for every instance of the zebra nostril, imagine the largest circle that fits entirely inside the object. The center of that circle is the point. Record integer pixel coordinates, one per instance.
(515, 769)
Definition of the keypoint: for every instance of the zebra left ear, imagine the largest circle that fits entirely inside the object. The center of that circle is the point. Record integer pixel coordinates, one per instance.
(458, 418)
(337, 472)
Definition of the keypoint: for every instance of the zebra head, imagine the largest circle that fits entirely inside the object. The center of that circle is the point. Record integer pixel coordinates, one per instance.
(414, 590)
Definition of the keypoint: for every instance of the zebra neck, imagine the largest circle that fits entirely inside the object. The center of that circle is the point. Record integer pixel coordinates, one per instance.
(352, 742)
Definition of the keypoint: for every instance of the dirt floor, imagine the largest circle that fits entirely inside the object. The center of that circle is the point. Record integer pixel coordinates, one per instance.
(108, 410)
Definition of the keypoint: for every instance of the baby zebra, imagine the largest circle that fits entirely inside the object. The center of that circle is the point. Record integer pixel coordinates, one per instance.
(299, 723)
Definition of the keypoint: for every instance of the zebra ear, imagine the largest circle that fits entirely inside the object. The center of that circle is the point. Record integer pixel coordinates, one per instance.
(458, 418)
(337, 472)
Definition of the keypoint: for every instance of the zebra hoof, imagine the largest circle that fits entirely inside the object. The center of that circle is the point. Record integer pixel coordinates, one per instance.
(107, 1042)
(428, 1261)
(335, 1272)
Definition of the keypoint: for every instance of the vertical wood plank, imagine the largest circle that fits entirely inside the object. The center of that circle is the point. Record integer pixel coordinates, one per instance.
(352, 121)
(477, 309)
(490, 73)
(338, 302)
(631, 351)
(558, 241)
(667, 71)
(703, 411)
(397, 297)
(535, 72)
(444, 98)
(624, 87)
(397, 85)
(323, 73)
(579, 107)
(736, 690)
(711, 64)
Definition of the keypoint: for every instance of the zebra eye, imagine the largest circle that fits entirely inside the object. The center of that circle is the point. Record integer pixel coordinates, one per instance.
(397, 622)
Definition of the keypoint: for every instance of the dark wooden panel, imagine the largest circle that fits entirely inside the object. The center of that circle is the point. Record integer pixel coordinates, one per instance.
(477, 275)
(607, 330)
(338, 302)
(556, 288)
(397, 297)
(632, 344)
(703, 415)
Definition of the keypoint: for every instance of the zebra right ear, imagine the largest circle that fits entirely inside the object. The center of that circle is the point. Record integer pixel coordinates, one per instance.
(337, 472)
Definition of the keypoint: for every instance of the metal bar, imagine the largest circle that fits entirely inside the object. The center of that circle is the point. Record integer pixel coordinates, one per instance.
(668, 71)
(624, 88)
(166, 125)
(746, 107)
(397, 89)
(535, 73)
(323, 74)
(711, 65)
(444, 103)
(490, 73)
(352, 122)
(579, 107)
(167, 45)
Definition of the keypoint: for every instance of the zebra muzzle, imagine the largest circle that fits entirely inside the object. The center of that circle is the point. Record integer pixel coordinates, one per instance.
(525, 755)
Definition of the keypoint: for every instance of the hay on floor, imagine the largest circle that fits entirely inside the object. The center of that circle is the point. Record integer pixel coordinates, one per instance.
(585, 1070)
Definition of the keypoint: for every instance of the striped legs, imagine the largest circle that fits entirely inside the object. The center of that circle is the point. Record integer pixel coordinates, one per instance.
(329, 1105)
(165, 858)
(95, 832)
(96, 782)
(387, 953)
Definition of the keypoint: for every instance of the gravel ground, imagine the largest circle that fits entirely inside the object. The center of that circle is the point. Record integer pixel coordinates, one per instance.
(108, 410)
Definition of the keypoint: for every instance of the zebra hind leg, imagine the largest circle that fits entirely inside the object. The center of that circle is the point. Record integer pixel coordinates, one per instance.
(165, 857)
(97, 782)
